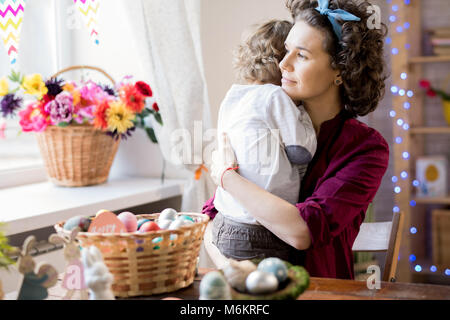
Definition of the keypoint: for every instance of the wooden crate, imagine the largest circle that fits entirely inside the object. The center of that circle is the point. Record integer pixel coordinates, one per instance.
(441, 237)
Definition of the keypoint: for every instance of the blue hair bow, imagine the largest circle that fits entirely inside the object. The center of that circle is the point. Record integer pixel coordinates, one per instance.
(332, 15)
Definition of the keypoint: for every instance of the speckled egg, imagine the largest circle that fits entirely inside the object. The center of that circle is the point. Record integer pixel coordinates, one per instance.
(129, 220)
(260, 282)
(275, 266)
(141, 222)
(168, 214)
(77, 221)
(214, 287)
(164, 224)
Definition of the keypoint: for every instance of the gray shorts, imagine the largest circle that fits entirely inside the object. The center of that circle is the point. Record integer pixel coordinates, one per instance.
(242, 241)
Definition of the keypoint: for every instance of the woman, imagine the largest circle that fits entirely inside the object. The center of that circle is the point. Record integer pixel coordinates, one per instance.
(334, 66)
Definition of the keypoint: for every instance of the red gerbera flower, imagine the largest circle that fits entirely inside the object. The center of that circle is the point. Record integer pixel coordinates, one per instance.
(155, 107)
(431, 93)
(133, 99)
(425, 84)
(100, 115)
(143, 88)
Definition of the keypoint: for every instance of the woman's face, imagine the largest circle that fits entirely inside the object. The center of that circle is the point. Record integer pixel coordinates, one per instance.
(306, 68)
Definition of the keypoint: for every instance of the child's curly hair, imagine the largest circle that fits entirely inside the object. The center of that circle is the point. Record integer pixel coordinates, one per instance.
(358, 56)
(258, 57)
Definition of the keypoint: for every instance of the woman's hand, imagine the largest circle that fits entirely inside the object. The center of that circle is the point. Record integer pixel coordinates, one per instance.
(222, 159)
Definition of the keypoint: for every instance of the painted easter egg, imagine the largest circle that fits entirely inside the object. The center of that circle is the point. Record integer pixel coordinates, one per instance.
(275, 266)
(101, 211)
(129, 220)
(214, 287)
(187, 218)
(236, 273)
(149, 226)
(168, 214)
(259, 282)
(77, 221)
(164, 224)
(177, 223)
(141, 222)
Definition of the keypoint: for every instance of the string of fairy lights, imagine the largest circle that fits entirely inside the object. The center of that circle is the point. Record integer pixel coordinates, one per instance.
(401, 26)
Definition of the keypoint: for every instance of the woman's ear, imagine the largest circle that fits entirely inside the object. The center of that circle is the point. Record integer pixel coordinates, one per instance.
(338, 80)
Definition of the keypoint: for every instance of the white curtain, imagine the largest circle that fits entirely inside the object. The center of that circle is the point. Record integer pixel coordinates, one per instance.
(168, 33)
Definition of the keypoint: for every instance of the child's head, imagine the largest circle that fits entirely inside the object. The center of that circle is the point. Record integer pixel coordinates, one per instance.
(257, 58)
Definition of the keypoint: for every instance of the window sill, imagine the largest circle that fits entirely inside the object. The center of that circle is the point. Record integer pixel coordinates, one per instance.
(30, 207)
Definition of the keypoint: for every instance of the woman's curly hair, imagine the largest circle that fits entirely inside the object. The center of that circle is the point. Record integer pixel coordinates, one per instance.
(359, 55)
(258, 57)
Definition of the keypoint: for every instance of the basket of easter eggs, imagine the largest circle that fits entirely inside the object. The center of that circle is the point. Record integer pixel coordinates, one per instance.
(157, 253)
(259, 279)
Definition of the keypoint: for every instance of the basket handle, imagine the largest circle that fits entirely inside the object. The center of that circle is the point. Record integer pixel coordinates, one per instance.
(84, 67)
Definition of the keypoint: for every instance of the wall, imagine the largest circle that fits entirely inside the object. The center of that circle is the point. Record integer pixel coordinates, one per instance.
(223, 23)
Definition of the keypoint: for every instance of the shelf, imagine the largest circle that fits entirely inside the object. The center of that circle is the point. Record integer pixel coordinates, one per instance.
(429, 59)
(433, 200)
(430, 130)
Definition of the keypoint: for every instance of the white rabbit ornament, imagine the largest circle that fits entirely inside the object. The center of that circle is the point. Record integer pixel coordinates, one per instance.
(74, 273)
(96, 274)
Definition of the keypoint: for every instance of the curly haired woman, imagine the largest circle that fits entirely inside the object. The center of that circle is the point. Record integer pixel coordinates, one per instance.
(334, 67)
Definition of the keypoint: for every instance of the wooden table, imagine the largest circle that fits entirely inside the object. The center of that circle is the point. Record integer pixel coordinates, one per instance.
(319, 289)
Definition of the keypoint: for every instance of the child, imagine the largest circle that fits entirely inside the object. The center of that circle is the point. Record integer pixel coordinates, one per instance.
(272, 150)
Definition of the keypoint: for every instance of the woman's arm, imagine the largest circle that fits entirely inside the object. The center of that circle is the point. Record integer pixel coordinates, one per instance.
(277, 215)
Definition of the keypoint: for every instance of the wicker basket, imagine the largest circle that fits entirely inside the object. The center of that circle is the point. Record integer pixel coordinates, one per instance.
(77, 155)
(140, 265)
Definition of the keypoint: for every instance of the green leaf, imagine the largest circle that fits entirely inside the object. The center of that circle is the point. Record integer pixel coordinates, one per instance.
(151, 134)
(63, 124)
(158, 118)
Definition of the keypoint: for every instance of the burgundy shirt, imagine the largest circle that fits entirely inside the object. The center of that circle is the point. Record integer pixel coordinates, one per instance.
(339, 184)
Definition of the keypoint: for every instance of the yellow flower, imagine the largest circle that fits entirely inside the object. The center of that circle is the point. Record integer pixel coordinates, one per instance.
(34, 85)
(119, 117)
(4, 87)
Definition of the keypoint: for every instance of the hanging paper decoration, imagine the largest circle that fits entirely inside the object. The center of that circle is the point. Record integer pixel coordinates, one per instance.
(11, 17)
(89, 11)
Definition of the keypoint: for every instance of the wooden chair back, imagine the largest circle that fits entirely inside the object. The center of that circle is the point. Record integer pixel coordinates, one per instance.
(382, 237)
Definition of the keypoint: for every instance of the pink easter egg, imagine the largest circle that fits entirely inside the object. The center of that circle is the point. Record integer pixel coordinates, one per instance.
(149, 226)
(129, 220)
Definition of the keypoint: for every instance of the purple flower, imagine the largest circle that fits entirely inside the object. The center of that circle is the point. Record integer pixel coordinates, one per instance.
(54, 86)
(10, 103)
(60, 109)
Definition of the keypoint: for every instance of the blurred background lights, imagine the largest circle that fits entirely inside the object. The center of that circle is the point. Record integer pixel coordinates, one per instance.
(433, 269)
(394, 89)
(406, 105)
(404, 174)
(410, 93)
(405, 155)
(405, 126)
(413, 230)
(397, 189)
(412, 258)
(398, 140)
(396, 209)
(403, 76)
(392, 113)
(418, 268)
(400, 122)
(394, 51)
(415, 183)
(412, 203)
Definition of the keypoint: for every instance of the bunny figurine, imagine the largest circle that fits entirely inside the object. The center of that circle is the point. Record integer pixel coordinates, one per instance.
(74, 273)
(98, 278)
(34, 285)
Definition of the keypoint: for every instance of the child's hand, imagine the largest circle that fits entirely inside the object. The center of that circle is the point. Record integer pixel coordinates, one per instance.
(222, 159)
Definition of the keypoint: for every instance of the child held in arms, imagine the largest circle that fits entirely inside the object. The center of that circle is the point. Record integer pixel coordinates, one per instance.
(272, 150)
